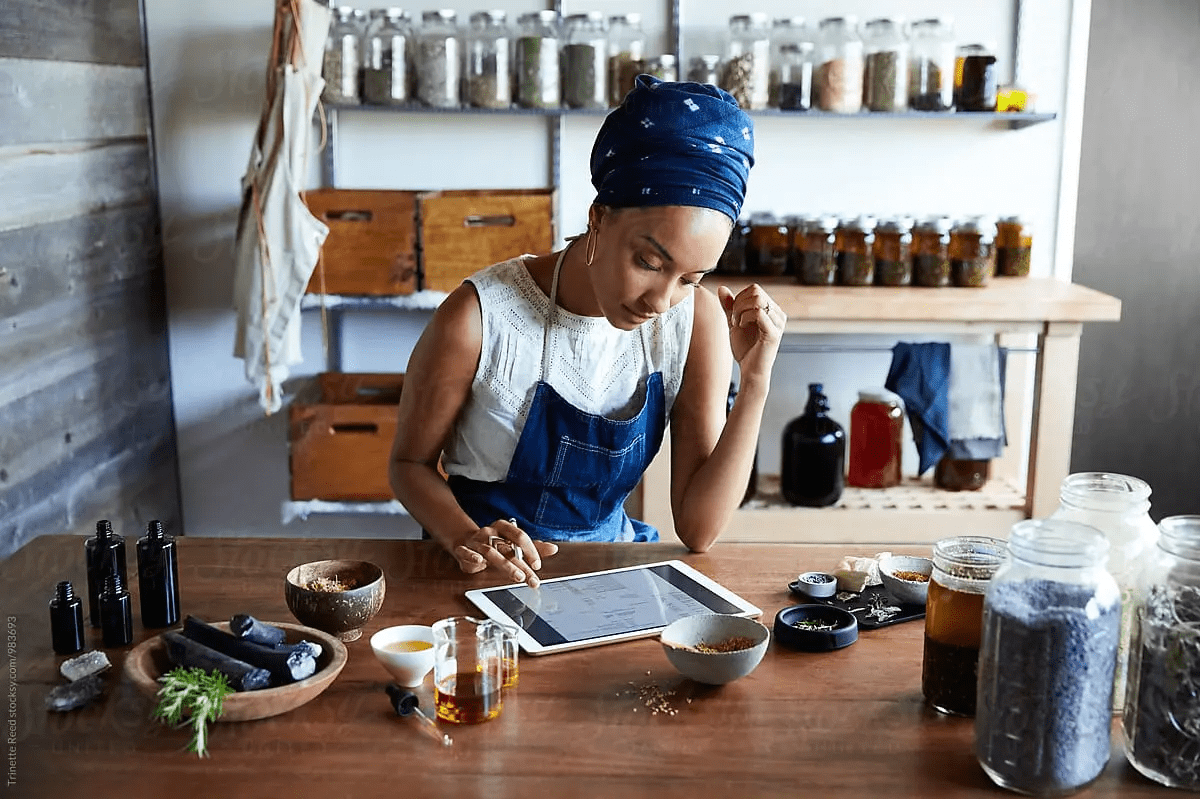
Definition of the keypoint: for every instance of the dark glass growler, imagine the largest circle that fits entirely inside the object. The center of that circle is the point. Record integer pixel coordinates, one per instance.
(814, 455)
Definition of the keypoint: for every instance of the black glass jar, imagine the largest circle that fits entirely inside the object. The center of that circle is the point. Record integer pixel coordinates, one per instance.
(814, 455)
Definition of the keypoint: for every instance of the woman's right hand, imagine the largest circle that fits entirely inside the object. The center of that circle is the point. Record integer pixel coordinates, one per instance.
(505, 546)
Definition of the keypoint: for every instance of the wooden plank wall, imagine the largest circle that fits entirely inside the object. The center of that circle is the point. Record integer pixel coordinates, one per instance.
(86, 424)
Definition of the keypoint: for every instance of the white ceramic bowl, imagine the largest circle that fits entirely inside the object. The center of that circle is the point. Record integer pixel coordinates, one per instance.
(911, 592)
(410, 667)
(680, 638)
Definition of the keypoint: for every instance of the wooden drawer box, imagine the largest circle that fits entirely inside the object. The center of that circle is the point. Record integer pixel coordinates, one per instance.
(342, 440)
(371, 247)
(464, 231)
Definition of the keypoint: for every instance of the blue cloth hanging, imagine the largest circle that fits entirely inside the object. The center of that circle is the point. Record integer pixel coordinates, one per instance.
(920, 374)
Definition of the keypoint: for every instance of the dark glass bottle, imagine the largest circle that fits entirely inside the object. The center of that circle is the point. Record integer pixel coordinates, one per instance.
(116, 617)
(158, 577)
(66, 620)
(105, 554)
(752, 484)
(814, 455)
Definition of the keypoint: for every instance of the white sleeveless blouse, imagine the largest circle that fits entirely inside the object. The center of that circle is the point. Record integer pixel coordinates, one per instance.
(593, 365)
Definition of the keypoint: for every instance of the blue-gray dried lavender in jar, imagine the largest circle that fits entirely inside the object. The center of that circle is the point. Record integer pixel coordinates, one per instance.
(1051, 623)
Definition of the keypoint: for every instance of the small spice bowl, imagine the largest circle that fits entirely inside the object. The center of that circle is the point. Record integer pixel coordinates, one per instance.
(816, 585)
(336, 596)
(906, 577)
(815, 628)
(406, 651)
(714, 648)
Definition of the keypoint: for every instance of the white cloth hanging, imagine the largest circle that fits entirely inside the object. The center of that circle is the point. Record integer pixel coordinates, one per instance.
(278, 240)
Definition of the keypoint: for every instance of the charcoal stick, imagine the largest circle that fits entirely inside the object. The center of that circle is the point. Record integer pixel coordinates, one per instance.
(183, 651)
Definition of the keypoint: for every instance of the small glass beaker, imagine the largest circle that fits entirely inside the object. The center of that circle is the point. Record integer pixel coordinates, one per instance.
(510, 649)
(468, 657)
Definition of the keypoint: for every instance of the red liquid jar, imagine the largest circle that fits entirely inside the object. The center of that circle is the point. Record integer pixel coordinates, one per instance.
(876, 430)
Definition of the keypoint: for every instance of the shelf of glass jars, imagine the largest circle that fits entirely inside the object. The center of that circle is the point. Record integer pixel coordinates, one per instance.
(1012, 119)
(913, 512)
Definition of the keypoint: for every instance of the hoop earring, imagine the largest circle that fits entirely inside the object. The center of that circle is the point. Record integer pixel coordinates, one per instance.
(589, 253)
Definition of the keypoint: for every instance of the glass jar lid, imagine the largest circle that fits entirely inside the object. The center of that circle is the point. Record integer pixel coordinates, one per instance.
(396, 15)
(789, 23)
(756, 20)
(632, 19)
(493, 17)
(590, 17)
(880, 396)
(839, 22)
(545, 16)
(896, 224)
(931, 25)
(447, 15)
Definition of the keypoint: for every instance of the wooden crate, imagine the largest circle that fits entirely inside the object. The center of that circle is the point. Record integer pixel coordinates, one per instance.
(342, 440)
(371, 248)
(464, 231)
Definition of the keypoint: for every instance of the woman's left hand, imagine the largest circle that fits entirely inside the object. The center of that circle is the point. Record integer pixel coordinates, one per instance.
(755, 328)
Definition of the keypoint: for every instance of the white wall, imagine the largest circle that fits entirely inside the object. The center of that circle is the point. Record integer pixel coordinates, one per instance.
(208, 63)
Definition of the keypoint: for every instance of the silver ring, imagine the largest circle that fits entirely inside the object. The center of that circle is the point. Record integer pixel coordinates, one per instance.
(494, 540)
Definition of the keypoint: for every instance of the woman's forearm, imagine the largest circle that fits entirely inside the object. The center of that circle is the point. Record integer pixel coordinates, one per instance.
(427, 497)
(718, 487)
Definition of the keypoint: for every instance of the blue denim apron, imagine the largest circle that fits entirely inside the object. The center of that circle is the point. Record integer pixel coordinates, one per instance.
(572, 470)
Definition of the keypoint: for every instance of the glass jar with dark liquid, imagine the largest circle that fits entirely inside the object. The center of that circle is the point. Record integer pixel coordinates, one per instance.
(962, 568)
(814, 455)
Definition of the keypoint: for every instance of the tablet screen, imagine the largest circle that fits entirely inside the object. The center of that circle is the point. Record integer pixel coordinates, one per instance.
(595, 606)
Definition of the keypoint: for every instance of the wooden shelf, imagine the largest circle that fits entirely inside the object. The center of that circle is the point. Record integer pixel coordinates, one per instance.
(915, 512)
(1003, 300)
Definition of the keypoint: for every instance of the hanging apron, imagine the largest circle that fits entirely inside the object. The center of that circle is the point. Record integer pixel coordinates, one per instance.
(572, 470)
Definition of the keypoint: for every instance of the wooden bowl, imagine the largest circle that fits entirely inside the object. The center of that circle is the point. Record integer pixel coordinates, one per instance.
(147, 661)
(342, 613)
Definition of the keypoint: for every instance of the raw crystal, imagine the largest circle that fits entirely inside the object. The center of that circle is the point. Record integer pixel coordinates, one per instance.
(85, 665)
(75, 694)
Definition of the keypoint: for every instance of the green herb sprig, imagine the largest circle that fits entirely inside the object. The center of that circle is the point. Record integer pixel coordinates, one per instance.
(192, 697)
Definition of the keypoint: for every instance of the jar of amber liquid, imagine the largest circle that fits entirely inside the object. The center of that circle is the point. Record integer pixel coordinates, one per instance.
(953, 474)
(962, 568)
(971, 254)
(812, 251)
(1014, 245)
(853, 242)
(733, 259)
(893, 243)
(767, 251)
(876, 440)
(931, 252)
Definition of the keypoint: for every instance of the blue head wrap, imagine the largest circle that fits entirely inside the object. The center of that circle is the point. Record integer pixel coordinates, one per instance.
(674, 144)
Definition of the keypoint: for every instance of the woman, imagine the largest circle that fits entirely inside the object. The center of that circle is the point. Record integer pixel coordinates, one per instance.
(545, 383)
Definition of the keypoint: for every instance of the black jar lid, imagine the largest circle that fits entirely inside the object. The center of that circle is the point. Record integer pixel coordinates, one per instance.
(823, 628)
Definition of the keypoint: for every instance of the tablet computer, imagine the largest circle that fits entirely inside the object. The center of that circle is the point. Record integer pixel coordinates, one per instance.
(603, 607)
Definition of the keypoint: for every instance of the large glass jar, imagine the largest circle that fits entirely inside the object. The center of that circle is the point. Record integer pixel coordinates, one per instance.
(585, 61)
(385, 59)
(959, 474)
(975, 78)
(853, 243)
(786, 33)
(733, 259)
(663, 67)
(1162, 707)
(1014, 246)
(812, 245)
(796, 76)
(971, 242)
(885, 66)
(1051, 622)
(489, 61)
(1119, 507)
(876, 440)
(838, 80)
(962, 568)
(814, 455)
(767, 251)
(931, 65)
(931, 252)
(747, 71)
(705, 69)
(893, 243)
(537, 61)
(437, 59)
(342, 60)
(626, 49)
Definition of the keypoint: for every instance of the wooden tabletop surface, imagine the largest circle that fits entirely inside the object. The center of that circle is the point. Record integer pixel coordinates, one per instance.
(848, 723)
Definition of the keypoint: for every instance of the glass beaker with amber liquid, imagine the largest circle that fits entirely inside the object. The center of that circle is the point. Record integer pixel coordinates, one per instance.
(467, 669)
(962, 569)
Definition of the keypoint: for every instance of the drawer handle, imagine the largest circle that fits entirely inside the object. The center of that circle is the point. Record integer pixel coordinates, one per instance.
(355, 427)
(349, 215)
(495, 220)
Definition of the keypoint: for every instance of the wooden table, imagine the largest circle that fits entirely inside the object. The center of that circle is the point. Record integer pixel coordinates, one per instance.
(848, 723)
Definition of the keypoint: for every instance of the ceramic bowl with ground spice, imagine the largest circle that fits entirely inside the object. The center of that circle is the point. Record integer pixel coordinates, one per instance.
(713, 648)
(336, 596)
(906, 577)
